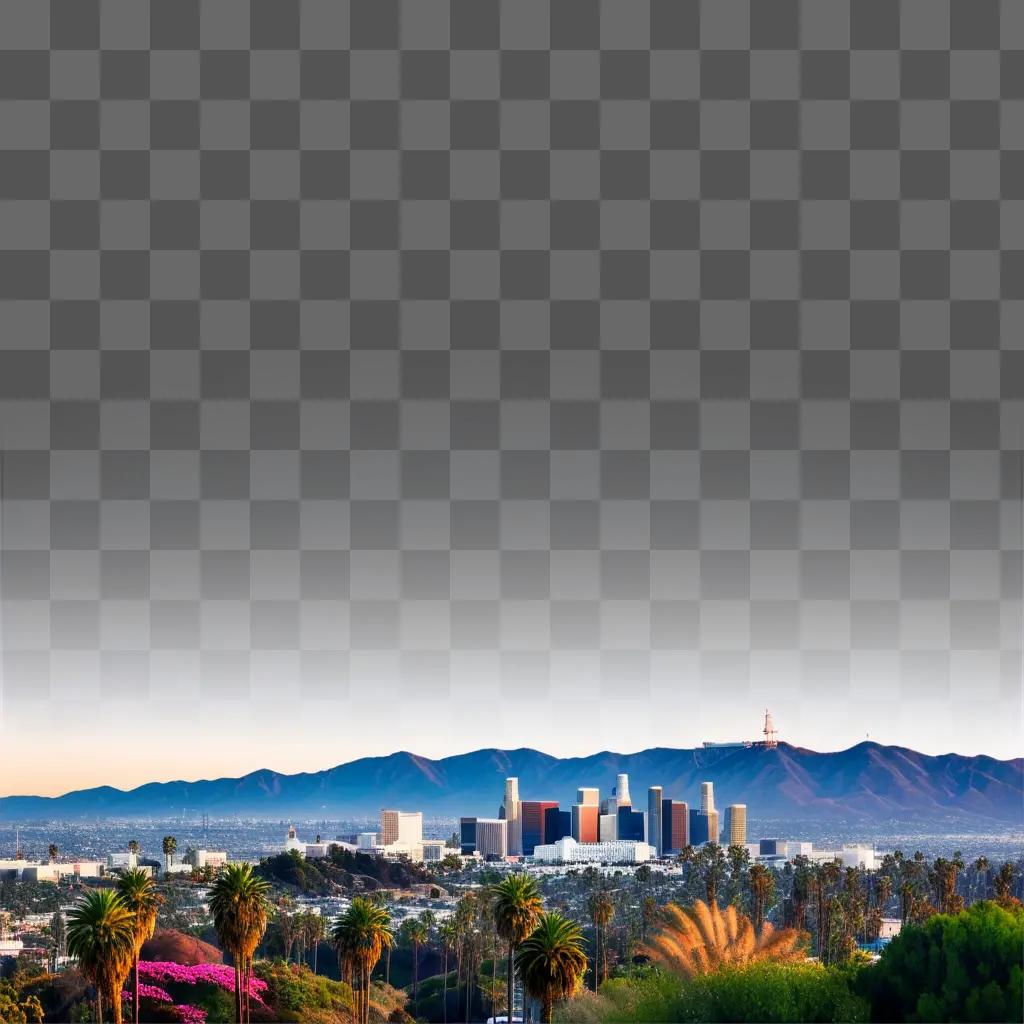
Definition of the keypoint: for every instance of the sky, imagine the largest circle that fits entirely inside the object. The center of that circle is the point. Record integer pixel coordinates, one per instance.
(437, 375)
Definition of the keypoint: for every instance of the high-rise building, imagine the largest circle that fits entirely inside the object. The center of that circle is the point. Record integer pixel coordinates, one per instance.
(654, 819)
(703, 827)
(622, 791)
(486, 836)
(608, 828)
(585, 813)
(557, 824)
(631, 824)
(735, 831)
(531, 816)
(511, 812)
(585, 822)
(491, 838)
(467, 836)
(707, 797)
(675, 825)
(402, 827)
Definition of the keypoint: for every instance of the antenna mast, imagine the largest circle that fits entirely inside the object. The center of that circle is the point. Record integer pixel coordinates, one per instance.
(770, 732)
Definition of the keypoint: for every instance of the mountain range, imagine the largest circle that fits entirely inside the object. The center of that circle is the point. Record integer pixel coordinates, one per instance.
(869, 781)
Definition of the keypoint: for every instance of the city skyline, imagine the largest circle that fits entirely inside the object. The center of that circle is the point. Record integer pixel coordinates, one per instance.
(60, 765)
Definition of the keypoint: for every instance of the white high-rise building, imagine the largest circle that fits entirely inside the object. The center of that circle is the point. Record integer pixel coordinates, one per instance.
(707, 797)
(511, 812)
(622, 791)
(402, 827)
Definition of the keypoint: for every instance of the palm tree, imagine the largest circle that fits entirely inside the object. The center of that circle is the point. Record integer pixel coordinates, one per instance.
(762, 891)
(101, 936)
(239, 907)
(170, 846)
(701, 938)
(415, 934)
(314, 929)
(52, 850)
(138, 894)
(360, 935)
(981, 872)
(517, 906)
(552, 962)
(602, 910)
(448, 934)
(133, 846)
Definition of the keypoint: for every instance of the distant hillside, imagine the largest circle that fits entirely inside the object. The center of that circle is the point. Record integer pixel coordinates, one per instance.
(866, 781)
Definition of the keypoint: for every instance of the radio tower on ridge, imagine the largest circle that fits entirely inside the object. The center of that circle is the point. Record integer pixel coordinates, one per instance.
(770, 732)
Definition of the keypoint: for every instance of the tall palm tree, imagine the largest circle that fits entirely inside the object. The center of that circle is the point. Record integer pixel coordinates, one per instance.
(517, 906)
(133, 846)
(240, 909)
(702, 937)
(170, 846)
(762, 890)
(415, 933)
(360, 935)
(602, 909)
(139, 895)
(101, 936)
(52, 851)
(448, 934)
(314, 929)
(552, 962)
(981, 873)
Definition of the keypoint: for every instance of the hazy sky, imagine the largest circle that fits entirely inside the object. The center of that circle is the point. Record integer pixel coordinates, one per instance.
(433, 375)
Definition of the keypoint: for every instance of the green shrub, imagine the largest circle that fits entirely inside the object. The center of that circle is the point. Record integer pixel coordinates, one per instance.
(760, 992)
(954, 967)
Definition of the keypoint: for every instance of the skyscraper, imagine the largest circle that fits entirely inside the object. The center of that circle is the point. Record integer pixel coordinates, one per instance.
(585, 823)
(630, 824)
(531, 814)
(704, 823)
(557, 825)
(707, 797)
(402, 827)
(675, 825)
(735, 830)
(622, 791)
(511, 812)
(654, 819)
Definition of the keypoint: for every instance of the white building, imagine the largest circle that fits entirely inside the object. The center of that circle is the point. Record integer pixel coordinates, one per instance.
(318, 850)
(568, 851)
(608, 828)
(435, 850)
(404, 828)
(367, 840)
(208, 858)
(292, 842)
(122, 860)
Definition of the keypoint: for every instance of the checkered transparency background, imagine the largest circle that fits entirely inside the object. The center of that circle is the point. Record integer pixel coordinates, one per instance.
(427, 372)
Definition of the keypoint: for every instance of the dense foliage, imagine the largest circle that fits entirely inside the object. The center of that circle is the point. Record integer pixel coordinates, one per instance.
(762, 991)
(964, 966)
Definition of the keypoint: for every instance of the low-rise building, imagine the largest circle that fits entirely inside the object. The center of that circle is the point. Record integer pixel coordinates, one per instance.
(568, 851)
(208, 858)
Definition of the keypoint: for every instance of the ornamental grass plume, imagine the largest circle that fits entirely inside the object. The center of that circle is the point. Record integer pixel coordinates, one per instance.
(702, 938)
